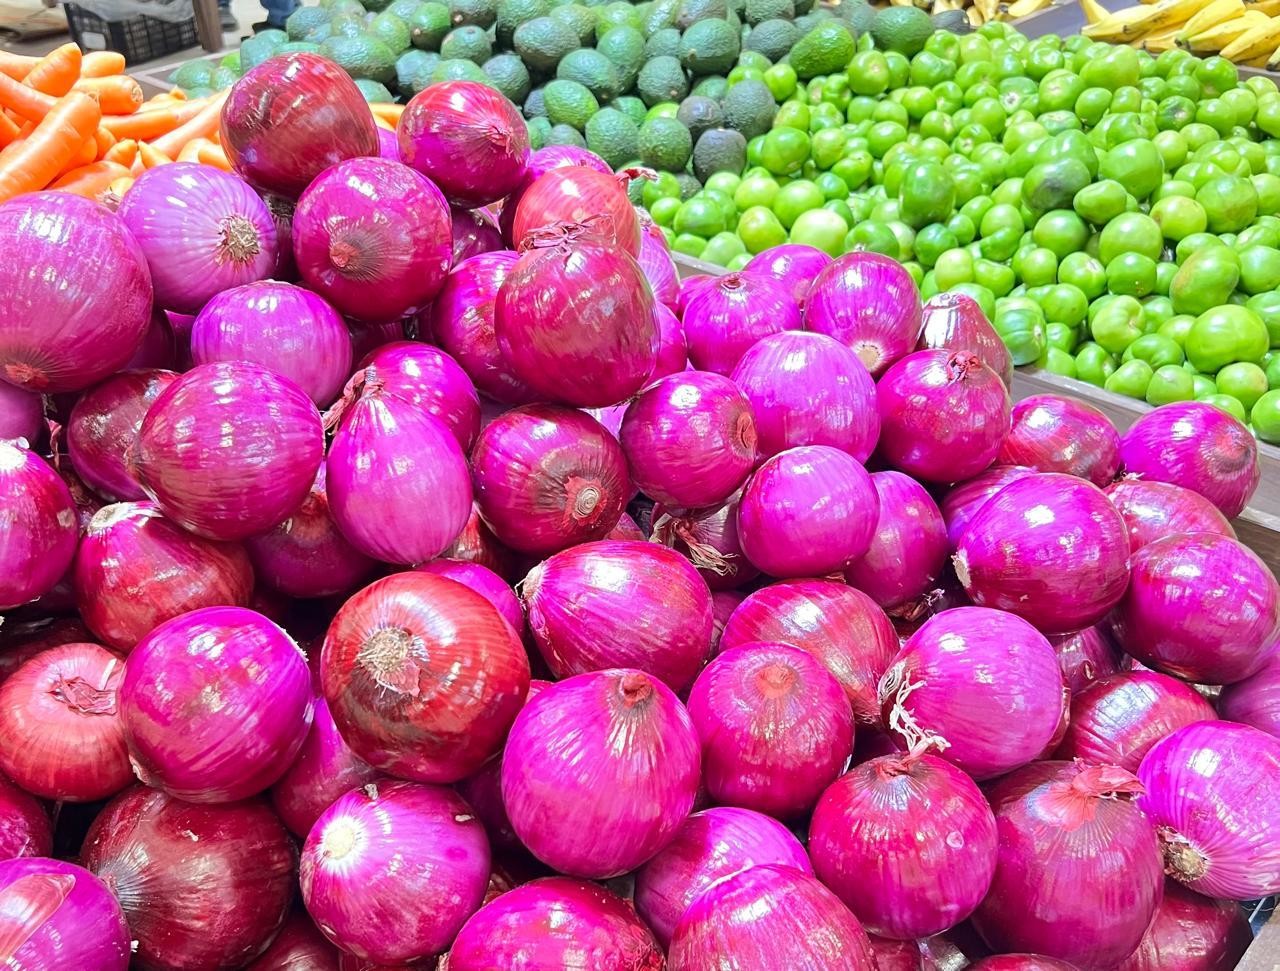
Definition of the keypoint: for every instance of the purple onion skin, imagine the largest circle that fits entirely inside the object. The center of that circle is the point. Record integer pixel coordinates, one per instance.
(1050, 548)
(40, 536)
(388, 145)
(159, 347)
(59, 915)
(655, 260)
(372, 900)
(723, 604)
(955, 321)
(1196, 446)
(909, 550)
(104, 422)
(672, 355)
(794, 265)
(1200, 607)
(962, 501)
(769, 918)
(808, 511)
(1191, 933)
(432, 380)
(283, 327)
(984, 681)
(1153, 510)
(620, 748)
(1021, 962)
(1086, 656)
(1256, 700)
(556, 922)
(709, 846)
(25, 827)
(1057, 433)
(543, 160)
(809, 389)
(1064, 827)
(1210, 791)
(484, 582)
(709, 538)
(726, 317)
(21, 414)
(908, 842)
(474, 232)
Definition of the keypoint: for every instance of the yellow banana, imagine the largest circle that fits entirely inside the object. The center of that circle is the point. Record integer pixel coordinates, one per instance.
(987, 9)
(1216, 12)
(1023, 8)
(1268, 7)
(1220, 35)
(1158, 43)
(1254, 42)
(975, 16)
(1116, 26)
(1094, 12)
(1135, 22)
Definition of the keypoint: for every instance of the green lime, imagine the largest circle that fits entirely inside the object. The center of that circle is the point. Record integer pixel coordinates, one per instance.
(723, 247)
(821, 229)
(796, 198)
(760, 229)
(699, 216)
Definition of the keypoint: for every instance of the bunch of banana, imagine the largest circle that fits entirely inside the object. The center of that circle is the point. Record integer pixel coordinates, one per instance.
(1143, 22)
(1244, 31)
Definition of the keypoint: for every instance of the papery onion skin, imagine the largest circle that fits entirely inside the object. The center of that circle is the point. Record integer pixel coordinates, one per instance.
(809, 389)
(25, 827)
(58, 915)
(673, 357)
(159, 347)
(1191, 933)
(1065, 827)
(476, 544)
(909, 549)
(628, 529)
(769, 918)
(1210, 791)
(201, 886)
(709, 846)
(104, 422)
(541, 161)
(1021, 962)
(658, 266)
(1152, 510)
(1086, 656)
(794, 265)
(621, 748)
(908, 842)
(962, 501)
(484, 582)
(578, 194)
(726, 317)
(39, 538)
(553, 923)
(423, 676)
(21, 413)
(369, 897)
(1058, 433)
(1199, 606)
(1050, 548)
(474, 232)
(723, 604)
(869, 303)
(432, 380)
(75, 307)
(709, 538)
(298, 947)
(1256, 700)
(955, 321)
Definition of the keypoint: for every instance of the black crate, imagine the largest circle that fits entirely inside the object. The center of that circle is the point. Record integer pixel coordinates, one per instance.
(137, 38)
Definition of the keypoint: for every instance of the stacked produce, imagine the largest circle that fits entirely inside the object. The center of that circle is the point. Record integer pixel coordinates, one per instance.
(390, 586)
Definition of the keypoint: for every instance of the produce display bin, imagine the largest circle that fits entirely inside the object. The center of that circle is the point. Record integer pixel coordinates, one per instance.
(137, 38)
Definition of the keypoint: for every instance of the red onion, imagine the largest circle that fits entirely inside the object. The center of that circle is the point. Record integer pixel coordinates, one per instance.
(627, 529)
(1191, 933)
(468, 138)
(955, 322)
(869, 303)
(476, 544)
(105, 422)
(556, 923)
(474, 232)
(909, 955)
(689, 287)
(202, 231)
(1056, 433)
(240, 688)
(229, 450)
(1021, 962)
(1199, 606)
(578, 195)
(908, 842)
(775, 727)
(547, 478)
(388, 144)
(25, 828)
(709, 539)
(75, 306)
(842, 627)
(769, 918)
(574, 318)
(1050, 548)
(723, 604)
(292, 117)
(21, 414)
(281, 209)
(656, 262)
(725, 318)
(423, 676)
(1153, 510)
(808, 511)
(201, 886)
(58, 915)
(39, 538)
(369, 897)
(617, 746)
(367, 338)
(298, 946)
(943, 415)
(909, 549)
(794, 265)
(984, 683)
(543, 160)
(1256, 700)
(690, 439)
(431, 380)
(1078, 875)
(961, 502)
(1085, 656)
(484, 582)
(19, 642)
(372, 237)
(673, 357)
(1196, 446)
(159, 347)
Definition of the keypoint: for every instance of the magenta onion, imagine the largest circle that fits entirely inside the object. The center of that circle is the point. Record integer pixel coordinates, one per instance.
(547, 478)
(159, 347)
(723, 604)
(422, 676)
(1199, 606)
(1021, 962)
(299, 946)
(961, 502)
(909, 549)
(726, 317)
(672, 354)
(943, 415)
(1256, 700)
(388, 144)
(1191, 933)
(690, 439)
(474, 232)
(201, 886)
(367, 338)
(807, 389)
(808, 511)
(104, 422)
(61, 735)
(954, 322)
(656, 263)
(869, 303)
(616, 745)
(690, 286)
(1085, 656)
(1056, 433)
(431, 380)
(372, 238)
(240, 688)
(476, 544)
(710, 846)
(794, 265)
(467, 138)
(556, 922)
(578, 194)
(709, 539)
(58, 915)
(1078, 872)
(229, 450)
(202, 231)
(39, 538)
(285, 328)
(369, 897)
(541, 161)
(21, 414)
(25, 827)
(775, 726)
(1153, 510)
(615, 604)
(1050, 548)
(983, 683)
(484, 582)
(75, 307)
(769, 918)
(1197, 446)
(574, 318)
(908, 842)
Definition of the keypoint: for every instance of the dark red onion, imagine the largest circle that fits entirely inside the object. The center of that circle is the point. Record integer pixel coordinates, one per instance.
(299, 946)
(21, 414)
(627, 529)
(673, 357)
(58, 915)
(21, 641)
(794, 265)
(955, 322)
(689, 287)
(1021, 962)
(723, 604)
(1057, 433)
(709, 539)
(281, 209)
(367, 338)
(388, 144)
(105, 422)
(25, 828)
(962, 501)
(909, 549)
(543, 160)
(476, 544)
(1086, 656)
(1152, 510)
(474, 232)
(1256, 700)
(656, 262)
(159, 347)
(484, 582)
(431, 380)
(869, 303)
(725, 318)
(1191, 933)
(39, 538)
(578, 195)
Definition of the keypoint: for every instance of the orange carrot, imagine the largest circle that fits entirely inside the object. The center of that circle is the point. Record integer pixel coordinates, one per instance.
(8, 131)
(86, 154)
(122, 152)
(101, 64)
(151, 156)
(191, 151)
(16, 66)
(146, 125)
(117, 95)
(90, 180)
(211, 154)
(57, 71)
(115, 192)
(202, 125)
(31, 164)
(25, 102)
(387, 112)
(383, 123)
